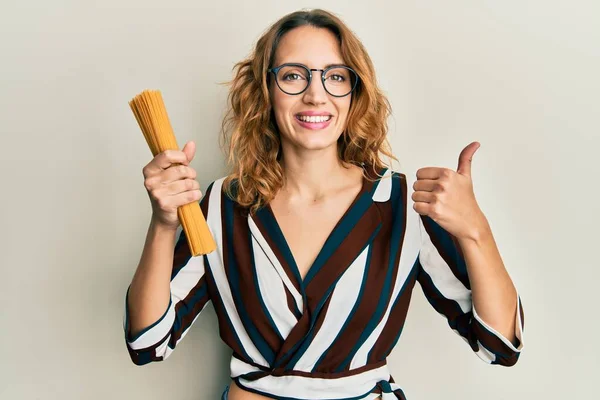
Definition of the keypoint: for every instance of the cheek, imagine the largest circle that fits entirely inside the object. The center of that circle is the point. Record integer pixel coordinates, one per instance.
(282, 106)
(343, 107)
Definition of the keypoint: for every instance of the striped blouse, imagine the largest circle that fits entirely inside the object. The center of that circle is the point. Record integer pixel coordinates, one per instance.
(327, 335)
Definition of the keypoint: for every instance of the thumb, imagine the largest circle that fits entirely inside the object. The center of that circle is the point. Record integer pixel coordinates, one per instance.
(465, 158)
(190, 150)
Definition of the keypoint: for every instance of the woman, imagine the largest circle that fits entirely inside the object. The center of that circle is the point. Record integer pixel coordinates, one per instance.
(319, 243)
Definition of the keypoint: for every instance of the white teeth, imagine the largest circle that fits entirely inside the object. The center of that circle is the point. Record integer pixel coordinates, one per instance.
(314, 119)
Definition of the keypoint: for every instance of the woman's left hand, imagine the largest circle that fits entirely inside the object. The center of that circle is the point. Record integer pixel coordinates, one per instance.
(447, 197)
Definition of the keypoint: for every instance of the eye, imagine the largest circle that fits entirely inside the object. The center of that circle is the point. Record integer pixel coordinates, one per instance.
(292, 76)
(337, 77)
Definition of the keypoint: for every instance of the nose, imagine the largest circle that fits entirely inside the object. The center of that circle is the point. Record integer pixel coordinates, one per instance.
(315, 93)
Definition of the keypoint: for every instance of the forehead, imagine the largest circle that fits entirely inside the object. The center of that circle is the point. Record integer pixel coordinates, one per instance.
(314, 47)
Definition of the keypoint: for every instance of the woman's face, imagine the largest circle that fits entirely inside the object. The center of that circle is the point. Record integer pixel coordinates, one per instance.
(315, 48)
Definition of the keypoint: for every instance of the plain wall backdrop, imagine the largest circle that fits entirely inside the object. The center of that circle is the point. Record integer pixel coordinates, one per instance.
(520, 77)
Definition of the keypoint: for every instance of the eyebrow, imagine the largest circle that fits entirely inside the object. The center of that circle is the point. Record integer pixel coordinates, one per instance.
(325, 67)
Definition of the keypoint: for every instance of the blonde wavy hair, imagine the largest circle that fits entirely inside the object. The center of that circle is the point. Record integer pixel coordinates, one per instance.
(250, 137)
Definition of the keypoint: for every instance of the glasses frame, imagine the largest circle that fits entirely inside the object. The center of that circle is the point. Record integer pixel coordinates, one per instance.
(275, 71)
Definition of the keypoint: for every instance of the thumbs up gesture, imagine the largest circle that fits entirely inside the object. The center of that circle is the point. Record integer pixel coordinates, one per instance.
(447, 197)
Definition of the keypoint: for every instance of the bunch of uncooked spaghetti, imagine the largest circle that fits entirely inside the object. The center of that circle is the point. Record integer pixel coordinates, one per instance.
(151, 114)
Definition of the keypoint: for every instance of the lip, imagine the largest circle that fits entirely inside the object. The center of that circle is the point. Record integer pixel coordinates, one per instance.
(313, 113)
(313, 125)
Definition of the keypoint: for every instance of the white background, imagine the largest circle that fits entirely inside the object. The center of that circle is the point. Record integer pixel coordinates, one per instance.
(520, 77)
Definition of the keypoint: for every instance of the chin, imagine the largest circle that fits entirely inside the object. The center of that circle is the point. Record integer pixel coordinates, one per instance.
(317, 142)
(317, 146)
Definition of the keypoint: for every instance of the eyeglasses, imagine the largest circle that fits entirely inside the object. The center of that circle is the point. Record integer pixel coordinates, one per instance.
(293, 79)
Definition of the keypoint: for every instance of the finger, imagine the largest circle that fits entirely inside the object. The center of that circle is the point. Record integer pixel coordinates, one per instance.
(430, 173)
(177, 172)
(422, 208)
(425, 185)
(190, 150)
(466, 157)
(423, 197)
(184, 198)
(167, 158)
(182, 185)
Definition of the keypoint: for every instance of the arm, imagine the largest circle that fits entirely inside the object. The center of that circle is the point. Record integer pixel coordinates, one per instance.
(167, 293)
(149, 293)
(494, 294)
(457, 280)
(461, 270)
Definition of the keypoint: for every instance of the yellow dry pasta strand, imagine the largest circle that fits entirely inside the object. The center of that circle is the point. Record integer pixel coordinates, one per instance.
(146, 116)
(138, 118)
(162, 133)
(167, 139)
(166, 121)
(151, 114)
(206, 240)
(197, 223)
(154, 123)
(142, 117)
(189, 211)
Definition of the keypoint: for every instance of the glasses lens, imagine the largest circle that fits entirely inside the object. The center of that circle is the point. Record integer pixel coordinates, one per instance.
(339, 81)
(293, 79)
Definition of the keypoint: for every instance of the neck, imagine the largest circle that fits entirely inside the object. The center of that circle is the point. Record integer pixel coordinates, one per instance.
(309, 178)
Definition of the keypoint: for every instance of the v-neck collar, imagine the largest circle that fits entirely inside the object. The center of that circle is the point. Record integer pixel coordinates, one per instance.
(329, 242)
(268, 225)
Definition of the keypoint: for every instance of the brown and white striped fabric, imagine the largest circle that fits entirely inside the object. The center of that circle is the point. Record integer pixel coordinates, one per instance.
(327, 335)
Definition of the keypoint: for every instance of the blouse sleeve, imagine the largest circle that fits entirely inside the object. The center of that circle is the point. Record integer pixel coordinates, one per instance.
(443, 277)
(189, 296)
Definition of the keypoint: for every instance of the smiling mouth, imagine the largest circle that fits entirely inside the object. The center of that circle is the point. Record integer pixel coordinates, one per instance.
(314, 119)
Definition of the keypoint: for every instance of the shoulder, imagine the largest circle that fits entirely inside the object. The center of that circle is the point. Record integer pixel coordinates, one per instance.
(403, 181)
(396, 188)
(212, 194)
(404, 178)
(392, 184)
(217, 185)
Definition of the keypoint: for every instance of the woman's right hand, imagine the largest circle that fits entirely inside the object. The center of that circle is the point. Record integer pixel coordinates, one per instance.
(171, 183)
